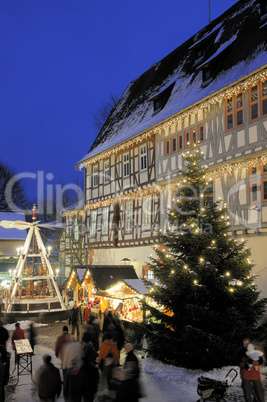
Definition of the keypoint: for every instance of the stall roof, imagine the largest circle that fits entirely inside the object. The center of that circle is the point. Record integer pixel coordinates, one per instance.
(80, 273)
(138, 285)
(105, 276)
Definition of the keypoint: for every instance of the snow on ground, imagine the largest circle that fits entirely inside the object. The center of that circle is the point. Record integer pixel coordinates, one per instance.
(160, 382)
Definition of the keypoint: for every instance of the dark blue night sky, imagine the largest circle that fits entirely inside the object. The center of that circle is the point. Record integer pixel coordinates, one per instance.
(60, 59)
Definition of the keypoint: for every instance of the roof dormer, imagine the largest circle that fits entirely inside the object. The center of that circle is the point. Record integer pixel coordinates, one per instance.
(203, 41)
(161, 98)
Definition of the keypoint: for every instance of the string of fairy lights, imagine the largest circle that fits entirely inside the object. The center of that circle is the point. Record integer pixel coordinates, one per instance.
(226, 168)
(233, 283)
(193, 226)
(197, 110)
(156, 189)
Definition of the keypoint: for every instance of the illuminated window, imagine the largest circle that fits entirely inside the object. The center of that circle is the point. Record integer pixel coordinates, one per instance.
(149, 274)
(229, 113)
(253, 170)
(193, 136)
(201, 133)
(167, 147)
(146, 212)
(126, 164)
(129, 216)
(264, 97)
(106, 171)
(234, 111)
(254, 102)
(264, 190)
(209, 192)
(264, 168)
(93, 218)
(174, 144)
(95, 176)
(239, 109)
(180, 142)
(143, 157)
(186, 139)
(253, 187)
(105, 217)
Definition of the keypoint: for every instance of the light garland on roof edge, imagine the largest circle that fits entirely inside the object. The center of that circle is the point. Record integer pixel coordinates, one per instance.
(195, 111)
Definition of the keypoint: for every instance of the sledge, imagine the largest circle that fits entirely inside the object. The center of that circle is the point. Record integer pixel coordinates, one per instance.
(213, 390)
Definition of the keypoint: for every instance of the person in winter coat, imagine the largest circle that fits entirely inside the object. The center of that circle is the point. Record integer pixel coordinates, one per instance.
(90, 354)
(90, 382)
(94, 328)
(87, 312)
(125, 386)
(253, 355)
(4, 376)
(73, 356)
(105, 387)
(75, 320)
(118, 336)
(4, 335)
(48, 381)
(18, 334)
(73, 374)
(109, 322)
(2, 373)
(131, 358)
(108, 346)
(32, 335)
(90, 371)
(61, 342)
(250, 376)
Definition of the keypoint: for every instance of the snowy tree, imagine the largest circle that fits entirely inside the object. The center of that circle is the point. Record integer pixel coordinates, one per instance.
(205, 300)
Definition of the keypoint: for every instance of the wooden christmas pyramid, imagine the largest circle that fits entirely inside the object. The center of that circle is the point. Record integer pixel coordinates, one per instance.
(33, 285)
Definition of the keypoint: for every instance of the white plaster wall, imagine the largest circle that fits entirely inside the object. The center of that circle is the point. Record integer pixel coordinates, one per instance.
(257, 244)
(241, 138)
(137, 255)
(252, 134)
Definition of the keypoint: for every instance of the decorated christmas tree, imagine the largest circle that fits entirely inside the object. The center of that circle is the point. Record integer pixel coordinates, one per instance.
(205, 300)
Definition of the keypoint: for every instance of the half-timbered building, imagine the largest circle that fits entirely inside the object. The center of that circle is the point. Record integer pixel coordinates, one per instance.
(211, 90)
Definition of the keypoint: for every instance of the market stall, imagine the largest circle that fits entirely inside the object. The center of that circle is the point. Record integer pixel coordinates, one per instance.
(85, 284)
(125, 299)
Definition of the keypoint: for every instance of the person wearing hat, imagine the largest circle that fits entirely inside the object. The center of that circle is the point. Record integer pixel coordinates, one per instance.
(254, 355)
(61, 341)
(75, 320)
(250, 375)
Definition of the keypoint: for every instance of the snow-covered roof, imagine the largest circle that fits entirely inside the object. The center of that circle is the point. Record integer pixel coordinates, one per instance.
(206, 36)
(80, 273)
(12, 234)
(219, 51)
(138, 285)
(134, 112)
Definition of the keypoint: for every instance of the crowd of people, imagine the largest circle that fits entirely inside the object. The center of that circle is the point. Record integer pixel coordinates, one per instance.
(91, 365)
(91, 368)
